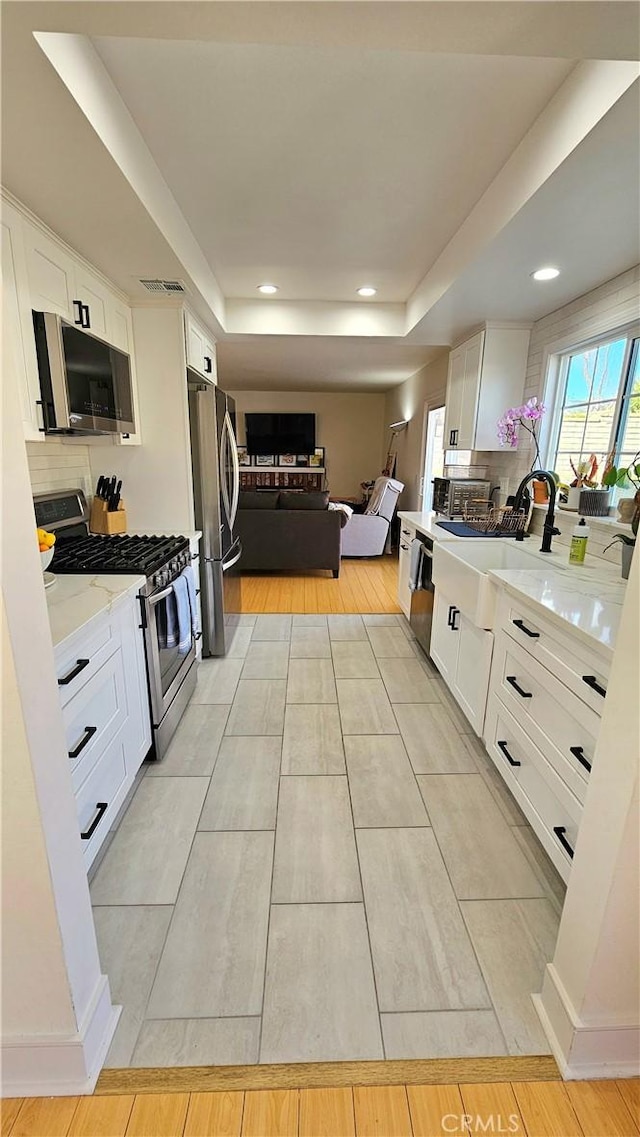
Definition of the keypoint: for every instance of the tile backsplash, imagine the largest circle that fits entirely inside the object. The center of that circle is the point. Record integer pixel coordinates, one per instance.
(57, 465)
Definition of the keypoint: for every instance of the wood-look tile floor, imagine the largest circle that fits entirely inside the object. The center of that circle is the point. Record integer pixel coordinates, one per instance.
(523, 1109)
(321, 868)
(364, 585)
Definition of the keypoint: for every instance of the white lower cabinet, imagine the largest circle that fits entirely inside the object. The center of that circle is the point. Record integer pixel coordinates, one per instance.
(462, 653)
(546, 693)
(103, 692)
(407, 535)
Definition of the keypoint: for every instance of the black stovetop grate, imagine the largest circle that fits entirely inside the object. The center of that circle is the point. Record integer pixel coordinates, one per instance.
(116, 554)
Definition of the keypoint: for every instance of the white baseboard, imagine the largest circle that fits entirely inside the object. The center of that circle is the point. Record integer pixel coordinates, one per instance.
(41, 1066)
(585, 1050)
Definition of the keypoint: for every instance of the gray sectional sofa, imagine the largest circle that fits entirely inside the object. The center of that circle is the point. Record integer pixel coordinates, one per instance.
(288, 531)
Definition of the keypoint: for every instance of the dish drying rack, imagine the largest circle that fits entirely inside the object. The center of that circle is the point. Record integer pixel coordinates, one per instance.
(485, 517)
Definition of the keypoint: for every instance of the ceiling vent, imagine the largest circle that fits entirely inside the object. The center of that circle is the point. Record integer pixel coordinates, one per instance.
(165, 286)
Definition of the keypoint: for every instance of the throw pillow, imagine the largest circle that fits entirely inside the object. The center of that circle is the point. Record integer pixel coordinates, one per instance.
(258, 499)
(318, 500)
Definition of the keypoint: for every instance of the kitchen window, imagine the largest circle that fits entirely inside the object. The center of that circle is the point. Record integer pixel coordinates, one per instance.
(599, 407)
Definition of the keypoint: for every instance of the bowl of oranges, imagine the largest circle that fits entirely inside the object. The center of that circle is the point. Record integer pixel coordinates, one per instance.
(46, 541)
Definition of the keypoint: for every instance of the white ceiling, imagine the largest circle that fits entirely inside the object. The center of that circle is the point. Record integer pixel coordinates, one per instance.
(322, 169)
(325, 145)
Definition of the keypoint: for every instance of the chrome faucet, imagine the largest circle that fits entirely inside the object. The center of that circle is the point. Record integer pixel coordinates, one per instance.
(549, 530)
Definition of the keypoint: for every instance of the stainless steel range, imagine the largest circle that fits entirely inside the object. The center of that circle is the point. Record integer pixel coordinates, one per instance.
(171, 676)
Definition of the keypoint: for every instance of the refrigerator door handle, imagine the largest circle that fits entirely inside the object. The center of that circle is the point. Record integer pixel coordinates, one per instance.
(235, 493)
(224, 488)
(226, 565)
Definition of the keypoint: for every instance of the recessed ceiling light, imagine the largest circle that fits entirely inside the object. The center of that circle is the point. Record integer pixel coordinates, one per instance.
(367, 290)
(548, 273)
(268, 289)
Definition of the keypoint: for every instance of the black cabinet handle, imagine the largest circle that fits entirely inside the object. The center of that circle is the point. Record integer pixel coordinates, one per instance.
(101, 809)
(80, 666)
(86, 320)
(523, 628)
(80, 318)
(514, 683)
(207, 365)
(452, 609)
(592, 682)
(560, 831)
(503, 747)
(89, 732)
(578, 753)
(198, 636)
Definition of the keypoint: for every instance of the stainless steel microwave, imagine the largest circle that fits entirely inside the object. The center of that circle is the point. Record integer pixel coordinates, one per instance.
(85, 382)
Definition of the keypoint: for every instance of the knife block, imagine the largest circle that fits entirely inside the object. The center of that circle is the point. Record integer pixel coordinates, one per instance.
(105, 523)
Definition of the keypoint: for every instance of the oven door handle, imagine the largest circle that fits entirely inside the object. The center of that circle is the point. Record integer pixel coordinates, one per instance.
(156, 597)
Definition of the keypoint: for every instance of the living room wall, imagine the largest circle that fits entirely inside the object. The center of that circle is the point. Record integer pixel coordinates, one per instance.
(349, 426)
(407, 402)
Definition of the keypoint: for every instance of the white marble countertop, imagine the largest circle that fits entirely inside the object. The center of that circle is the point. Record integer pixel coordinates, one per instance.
(75, 599)
(426, 523)
(592, 607)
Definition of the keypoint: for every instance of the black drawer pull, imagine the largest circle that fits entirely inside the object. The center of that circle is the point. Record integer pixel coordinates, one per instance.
(592, 682)
(80, 666)
(514, 683)
(101, 809)
(89, 732)
(198, 635)
(503, 747)
(560, 831)
(578, 753)
(523, 628)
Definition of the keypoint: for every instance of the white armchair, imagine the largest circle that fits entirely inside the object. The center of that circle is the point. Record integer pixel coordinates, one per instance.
(365, 534)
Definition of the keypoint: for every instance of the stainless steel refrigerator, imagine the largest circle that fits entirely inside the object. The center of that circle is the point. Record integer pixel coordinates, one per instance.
(216, 486)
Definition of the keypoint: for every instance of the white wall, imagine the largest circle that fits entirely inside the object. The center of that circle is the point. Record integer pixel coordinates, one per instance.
(157, 486)
(57, 1018)
(349, 426)
(407, 402)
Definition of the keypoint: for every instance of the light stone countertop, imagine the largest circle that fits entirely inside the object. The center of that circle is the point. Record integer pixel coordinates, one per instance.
(75, 599)
(425, 523)
(591, 607)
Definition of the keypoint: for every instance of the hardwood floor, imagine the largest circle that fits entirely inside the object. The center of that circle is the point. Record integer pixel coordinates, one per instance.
(364, 585)
(528, 1109)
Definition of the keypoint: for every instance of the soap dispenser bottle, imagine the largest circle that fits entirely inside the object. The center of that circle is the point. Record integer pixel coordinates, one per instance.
(578, 549)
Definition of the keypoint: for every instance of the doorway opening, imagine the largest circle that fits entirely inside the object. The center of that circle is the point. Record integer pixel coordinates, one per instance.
(433, 452)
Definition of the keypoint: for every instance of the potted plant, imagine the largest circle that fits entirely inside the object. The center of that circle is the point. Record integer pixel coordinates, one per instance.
(619, 477)
(584, 478)
(526, 416)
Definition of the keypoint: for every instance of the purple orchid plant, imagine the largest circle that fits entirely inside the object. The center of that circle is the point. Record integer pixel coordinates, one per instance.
(527, 416)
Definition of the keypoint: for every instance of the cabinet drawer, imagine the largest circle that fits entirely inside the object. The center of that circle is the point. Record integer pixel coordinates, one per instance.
(100, 796)
(78, 658)
(560, 725)
(553, 811)
(571, 661)
(94, 716)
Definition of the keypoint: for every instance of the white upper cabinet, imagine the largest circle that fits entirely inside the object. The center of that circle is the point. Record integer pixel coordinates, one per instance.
(486, 376)
(201, 348)
(43, 275)
(51, 274)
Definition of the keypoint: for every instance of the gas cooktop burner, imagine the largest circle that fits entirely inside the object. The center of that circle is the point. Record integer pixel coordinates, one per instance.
(116, 554)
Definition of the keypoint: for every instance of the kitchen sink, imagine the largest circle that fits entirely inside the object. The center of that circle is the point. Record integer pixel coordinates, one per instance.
(460, 571)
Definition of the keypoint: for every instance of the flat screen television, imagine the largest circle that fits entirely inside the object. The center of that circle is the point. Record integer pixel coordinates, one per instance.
(280, 433)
